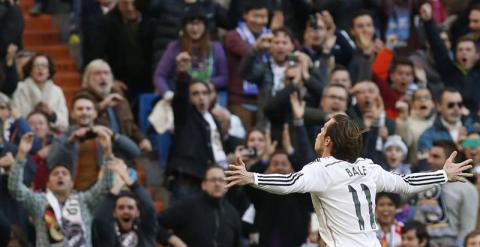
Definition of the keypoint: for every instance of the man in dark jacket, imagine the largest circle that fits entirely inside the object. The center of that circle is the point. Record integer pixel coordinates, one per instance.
(126, 44)
(197, 141)
(206, 220)
(281, 69)
(462, 73)
(133, 221)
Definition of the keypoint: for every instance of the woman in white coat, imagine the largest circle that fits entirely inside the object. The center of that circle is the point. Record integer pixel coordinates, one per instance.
(38, 92)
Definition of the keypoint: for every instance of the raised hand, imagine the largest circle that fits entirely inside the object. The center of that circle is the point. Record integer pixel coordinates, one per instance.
(456, 171)
(263, 42)
(270, 146)
(104, 136)
(111, 100)
(298, 106)
(25, 145)
(184, 62)
(286, 140)
(237, 174)
(365, 43)
(7, 160)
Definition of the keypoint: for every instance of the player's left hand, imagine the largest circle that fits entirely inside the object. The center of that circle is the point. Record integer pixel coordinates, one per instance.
(456, 171)
(237, 174)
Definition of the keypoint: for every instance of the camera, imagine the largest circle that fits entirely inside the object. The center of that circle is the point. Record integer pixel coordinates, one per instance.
(312, 22)
(90, 134)
(251, 152)
(292, 60)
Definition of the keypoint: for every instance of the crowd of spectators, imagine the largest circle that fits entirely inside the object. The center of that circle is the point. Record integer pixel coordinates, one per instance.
(249, 79)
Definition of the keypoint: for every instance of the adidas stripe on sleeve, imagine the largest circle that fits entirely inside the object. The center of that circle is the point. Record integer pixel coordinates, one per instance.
(408, 184)
(309, 179)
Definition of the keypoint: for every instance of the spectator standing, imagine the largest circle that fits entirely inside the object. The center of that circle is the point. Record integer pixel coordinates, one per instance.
(55, 225)
(207, 58)
(460, 73)
(238, 42)
(197, 141)
(125, 42)
(169, 14)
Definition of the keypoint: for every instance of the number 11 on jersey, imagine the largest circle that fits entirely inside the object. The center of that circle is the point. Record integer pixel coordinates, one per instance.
(358, 208)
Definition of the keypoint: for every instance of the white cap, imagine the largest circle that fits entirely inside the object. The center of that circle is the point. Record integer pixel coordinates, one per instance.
(396, 141)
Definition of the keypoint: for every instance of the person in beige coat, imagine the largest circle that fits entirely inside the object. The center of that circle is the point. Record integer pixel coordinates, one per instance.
(39, 92)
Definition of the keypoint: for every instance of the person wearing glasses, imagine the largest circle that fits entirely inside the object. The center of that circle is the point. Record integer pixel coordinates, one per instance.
(207, 219)
(450, 123)
(39, 92)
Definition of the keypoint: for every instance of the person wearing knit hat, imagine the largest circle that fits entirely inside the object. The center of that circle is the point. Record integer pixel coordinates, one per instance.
(395, 151)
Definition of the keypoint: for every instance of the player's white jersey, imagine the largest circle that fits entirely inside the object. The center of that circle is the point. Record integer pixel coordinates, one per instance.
(343, 195)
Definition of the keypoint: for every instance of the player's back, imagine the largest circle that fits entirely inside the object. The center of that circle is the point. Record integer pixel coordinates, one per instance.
(346, 208)
(343, 195)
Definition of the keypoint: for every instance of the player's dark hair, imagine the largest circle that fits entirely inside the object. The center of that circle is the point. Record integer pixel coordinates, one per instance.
(346, 138)
(420, 230)
(395, 198)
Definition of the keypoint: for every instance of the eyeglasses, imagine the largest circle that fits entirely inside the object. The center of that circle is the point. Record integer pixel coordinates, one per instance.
(450, 105)
(40, 65)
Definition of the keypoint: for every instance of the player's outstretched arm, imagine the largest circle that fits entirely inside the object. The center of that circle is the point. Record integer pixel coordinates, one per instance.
(417, 182)
(303, 181)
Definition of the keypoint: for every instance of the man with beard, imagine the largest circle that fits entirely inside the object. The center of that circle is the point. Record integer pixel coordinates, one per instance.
(133, 220)
(62, 217)
(79, 146)
(114, 111)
